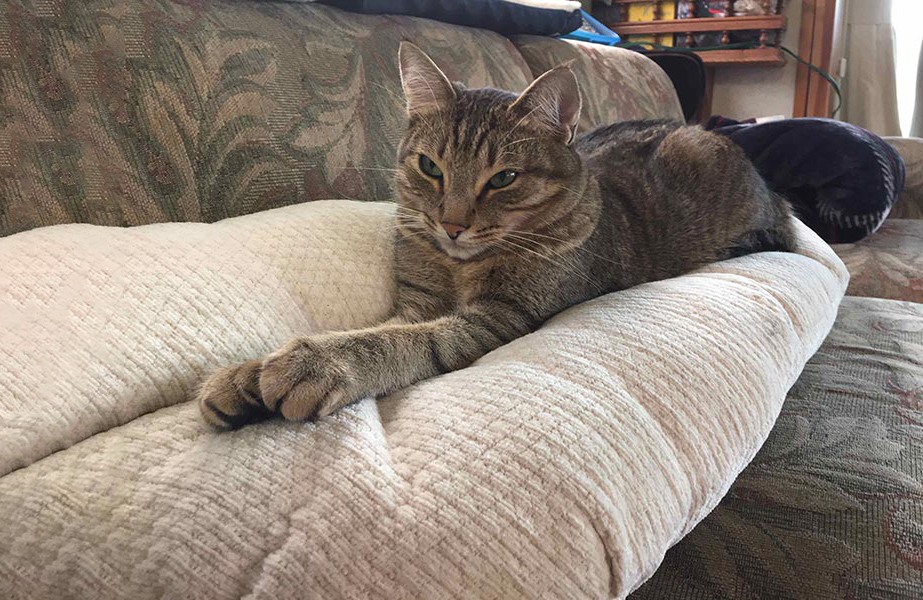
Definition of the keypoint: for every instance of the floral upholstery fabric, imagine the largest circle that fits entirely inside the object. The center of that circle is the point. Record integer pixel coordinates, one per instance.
(616, 84)
(122, 112)
(888, 263)
(832, 505)
(910, 204)
(126, 112)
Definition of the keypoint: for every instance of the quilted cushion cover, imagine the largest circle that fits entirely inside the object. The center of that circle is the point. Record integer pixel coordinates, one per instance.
(562, 465)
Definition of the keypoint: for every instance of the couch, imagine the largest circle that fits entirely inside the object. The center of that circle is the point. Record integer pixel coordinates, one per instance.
(298, 102)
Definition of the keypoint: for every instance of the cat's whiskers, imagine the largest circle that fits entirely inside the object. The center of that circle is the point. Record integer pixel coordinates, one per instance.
(525, 239)
(570, 269)
(571, 260)
(512, 248)
(573, 191)
(570, 264)
(521, 234)
(407, 227)
(408, 209)
(409, 223)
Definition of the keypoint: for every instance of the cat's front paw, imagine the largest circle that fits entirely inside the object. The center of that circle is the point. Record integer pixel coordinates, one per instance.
(230, 397)
(305, 379)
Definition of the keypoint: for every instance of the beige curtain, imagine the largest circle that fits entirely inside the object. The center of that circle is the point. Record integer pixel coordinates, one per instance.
(870, 88)
(916, 129)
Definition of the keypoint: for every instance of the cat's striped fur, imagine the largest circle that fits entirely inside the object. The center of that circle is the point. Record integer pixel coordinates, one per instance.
(478, 264)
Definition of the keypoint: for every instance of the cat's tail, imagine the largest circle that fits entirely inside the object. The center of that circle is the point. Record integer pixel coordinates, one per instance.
(782, 230)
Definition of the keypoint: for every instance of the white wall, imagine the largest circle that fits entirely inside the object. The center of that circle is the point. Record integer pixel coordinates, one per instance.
(743, 92)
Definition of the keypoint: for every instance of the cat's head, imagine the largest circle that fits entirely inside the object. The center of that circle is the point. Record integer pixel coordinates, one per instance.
(479, 170)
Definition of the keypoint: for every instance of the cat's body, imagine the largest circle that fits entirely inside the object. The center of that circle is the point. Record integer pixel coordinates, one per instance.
(505, 219)
(649, 211)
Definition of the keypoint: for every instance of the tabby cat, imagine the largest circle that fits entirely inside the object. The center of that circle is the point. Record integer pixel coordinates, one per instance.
(506, 218)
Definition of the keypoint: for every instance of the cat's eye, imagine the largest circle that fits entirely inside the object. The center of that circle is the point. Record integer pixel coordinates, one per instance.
(429, 167)
(502, 179)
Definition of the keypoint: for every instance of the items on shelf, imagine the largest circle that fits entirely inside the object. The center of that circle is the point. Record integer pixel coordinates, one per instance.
(755, 8)
(703, 9)
(655, 22)
(664, 10)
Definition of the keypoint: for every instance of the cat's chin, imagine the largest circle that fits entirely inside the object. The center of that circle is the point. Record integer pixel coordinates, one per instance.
(460, 251)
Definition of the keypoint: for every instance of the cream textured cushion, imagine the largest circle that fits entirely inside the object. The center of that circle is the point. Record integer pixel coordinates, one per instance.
(562, 465)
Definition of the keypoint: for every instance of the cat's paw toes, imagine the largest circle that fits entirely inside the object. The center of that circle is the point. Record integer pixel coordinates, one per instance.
(230, 397)
(303, 380)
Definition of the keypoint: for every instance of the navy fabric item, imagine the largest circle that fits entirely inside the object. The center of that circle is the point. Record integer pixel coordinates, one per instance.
(503, 17)
(841, 179)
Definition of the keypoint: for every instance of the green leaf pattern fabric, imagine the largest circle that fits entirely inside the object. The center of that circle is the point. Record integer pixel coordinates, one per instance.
(119, 112)
(128, 112)
(832, 505)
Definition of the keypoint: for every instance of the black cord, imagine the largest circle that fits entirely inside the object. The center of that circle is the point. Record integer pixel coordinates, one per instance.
(748, 45)
(822, 73)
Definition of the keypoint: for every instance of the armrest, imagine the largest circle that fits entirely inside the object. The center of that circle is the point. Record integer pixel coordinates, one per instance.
(910, 204)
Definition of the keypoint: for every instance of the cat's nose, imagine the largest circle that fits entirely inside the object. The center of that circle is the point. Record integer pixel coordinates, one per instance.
(453, 230)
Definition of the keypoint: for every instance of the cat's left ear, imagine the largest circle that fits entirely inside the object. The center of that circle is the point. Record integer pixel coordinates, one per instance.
(426, 88)
(552, 103)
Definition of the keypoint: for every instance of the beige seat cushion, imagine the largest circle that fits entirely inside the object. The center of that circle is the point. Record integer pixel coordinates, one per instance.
(562, 465)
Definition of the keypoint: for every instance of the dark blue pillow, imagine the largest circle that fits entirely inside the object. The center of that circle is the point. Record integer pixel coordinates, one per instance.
(841, 179)
(507, 18)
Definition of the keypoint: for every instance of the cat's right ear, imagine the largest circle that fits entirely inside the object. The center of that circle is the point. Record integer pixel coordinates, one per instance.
(552, 103)
(426, 88)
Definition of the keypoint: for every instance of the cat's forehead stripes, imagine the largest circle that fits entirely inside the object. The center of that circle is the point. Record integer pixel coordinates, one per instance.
(472, 123)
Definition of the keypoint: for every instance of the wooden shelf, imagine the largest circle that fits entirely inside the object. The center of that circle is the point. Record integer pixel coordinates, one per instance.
(769, 22)
(768, 29)
(750, 57)
(764, 56)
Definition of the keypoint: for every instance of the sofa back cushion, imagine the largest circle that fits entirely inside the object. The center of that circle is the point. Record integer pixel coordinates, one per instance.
(127, 113)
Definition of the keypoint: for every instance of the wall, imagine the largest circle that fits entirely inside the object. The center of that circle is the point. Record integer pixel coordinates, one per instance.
(742, 92)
